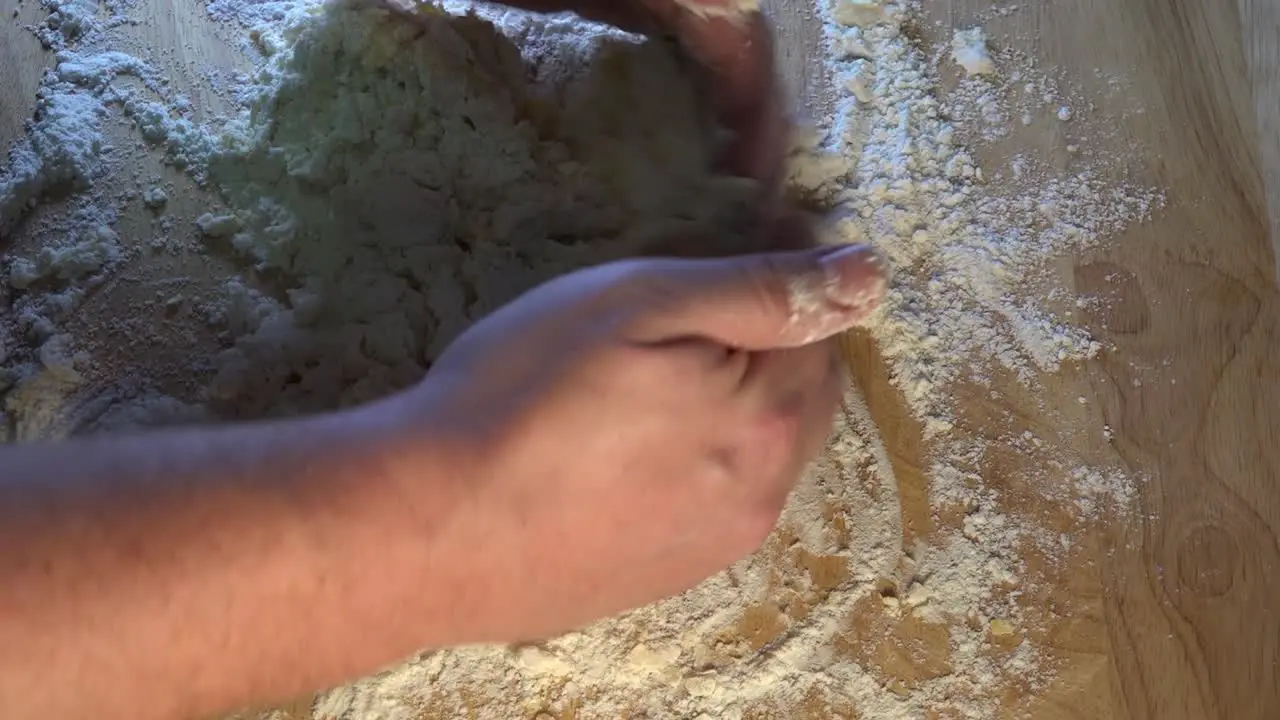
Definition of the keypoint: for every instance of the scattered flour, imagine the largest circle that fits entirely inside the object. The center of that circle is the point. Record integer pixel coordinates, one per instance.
(59, 153)
(403, 176)
(857, 13)
(696, 655)
(969, 50)
(970, 250)
(68, 21)
(155, 198)
(392, 180)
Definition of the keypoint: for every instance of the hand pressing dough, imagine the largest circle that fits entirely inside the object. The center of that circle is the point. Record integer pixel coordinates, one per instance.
(404, 174)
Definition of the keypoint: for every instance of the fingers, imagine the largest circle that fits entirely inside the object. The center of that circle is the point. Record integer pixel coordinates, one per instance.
(733, 44)
(760, 302)
(800, 383)
(737, 54)
(788, 399)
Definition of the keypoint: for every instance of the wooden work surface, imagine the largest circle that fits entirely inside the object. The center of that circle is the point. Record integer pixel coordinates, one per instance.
(1177, 619)
(1175, 612)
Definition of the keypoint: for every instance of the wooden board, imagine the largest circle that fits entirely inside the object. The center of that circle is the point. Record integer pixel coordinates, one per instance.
(1172, 616)
(1169, 615)
(23, 60)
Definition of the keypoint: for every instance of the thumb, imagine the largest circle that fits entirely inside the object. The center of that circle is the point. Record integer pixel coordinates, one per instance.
(766, 301)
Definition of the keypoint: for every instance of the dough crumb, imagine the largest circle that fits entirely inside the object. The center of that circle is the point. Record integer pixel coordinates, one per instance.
(217, 226)
(859, 81)
(858, 13)
(969, 50)
(155, 198)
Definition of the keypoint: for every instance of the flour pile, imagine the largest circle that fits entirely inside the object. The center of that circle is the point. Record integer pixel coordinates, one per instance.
(387, 179)
(392, 180)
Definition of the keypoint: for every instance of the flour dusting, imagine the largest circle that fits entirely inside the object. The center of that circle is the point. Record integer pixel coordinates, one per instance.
(383, 179)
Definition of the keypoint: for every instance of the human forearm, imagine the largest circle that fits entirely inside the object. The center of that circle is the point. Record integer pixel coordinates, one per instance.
(190, 571)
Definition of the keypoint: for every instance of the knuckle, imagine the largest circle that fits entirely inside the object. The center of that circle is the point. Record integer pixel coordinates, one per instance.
(762, 516)
(629, 293)
(772, 462)
(640, 285)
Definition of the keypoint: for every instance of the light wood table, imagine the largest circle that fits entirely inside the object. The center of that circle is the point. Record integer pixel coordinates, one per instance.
(1174, 613)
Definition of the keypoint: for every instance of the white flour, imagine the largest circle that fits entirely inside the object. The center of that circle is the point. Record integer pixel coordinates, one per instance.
(689, 656)
(390, 181)
(969, 50)
(405, 176)
(59, 154)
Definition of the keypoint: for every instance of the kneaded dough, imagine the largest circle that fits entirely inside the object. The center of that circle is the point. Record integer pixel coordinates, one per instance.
(399, 180)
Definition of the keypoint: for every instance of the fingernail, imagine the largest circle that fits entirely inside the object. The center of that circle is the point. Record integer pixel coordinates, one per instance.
(856, 278)
(850, 286)
(720, 8)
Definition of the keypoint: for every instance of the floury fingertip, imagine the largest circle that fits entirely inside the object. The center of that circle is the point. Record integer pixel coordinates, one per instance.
(721, 8)
(850, 286)
(856, 277)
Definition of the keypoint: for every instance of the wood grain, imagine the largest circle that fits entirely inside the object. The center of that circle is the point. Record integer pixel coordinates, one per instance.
(1191, 384)
(23, 62)
(1165, 616)
(1260, 23)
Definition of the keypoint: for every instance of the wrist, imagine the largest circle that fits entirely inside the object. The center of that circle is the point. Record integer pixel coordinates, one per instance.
(404, 502)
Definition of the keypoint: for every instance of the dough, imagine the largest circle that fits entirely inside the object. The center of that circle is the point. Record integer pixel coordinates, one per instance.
(399, 180)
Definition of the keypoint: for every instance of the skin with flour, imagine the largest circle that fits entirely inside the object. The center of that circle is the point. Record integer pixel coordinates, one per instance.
(189, 572)
(734, 45)
(653, 415)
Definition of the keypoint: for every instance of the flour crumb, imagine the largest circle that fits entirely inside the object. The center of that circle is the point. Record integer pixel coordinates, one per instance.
(858, 81)
(380, 190)
(60, 153)
(855, 13)
(155, 198)
(68, 21)
(217, 226)
(969, 51)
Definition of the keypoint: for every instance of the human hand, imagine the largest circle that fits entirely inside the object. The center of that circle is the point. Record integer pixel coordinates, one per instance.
(733, 44)
(623, 432)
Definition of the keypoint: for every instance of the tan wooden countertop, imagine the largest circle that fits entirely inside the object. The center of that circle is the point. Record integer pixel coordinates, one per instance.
(1174, 613)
